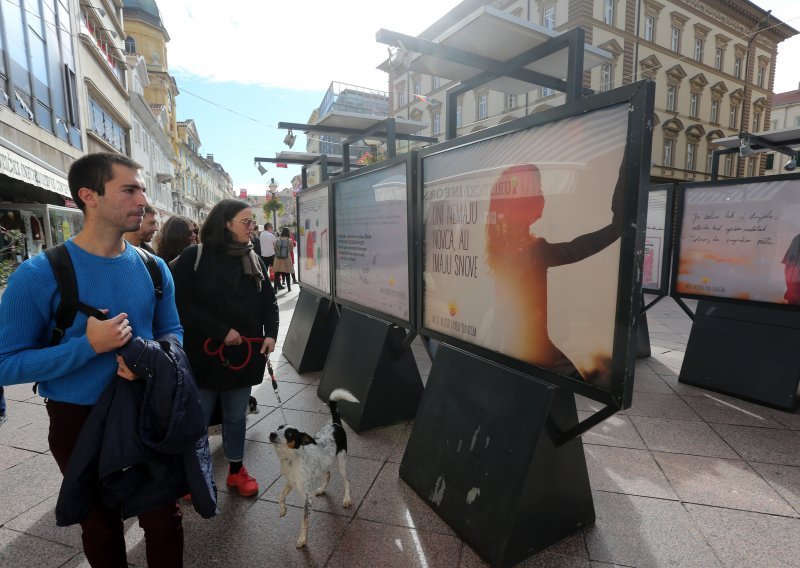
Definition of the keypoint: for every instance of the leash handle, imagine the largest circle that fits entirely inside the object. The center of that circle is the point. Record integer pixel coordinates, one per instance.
(220, 352)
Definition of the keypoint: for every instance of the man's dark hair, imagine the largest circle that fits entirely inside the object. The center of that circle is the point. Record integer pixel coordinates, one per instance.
(149, 210)
(94, 171)
(215, 234)
(267, 226)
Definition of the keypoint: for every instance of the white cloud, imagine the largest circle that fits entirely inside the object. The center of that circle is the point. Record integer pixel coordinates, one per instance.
(304, 44)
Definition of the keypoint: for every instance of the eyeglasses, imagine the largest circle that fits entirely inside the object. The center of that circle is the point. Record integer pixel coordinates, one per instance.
(249, 223)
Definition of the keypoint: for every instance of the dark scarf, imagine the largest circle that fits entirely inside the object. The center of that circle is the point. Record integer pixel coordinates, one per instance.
(250, 262)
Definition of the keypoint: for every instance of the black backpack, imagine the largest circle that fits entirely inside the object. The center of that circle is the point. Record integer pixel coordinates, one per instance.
(67, 283)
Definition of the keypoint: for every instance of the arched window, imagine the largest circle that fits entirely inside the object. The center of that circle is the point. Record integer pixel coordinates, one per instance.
(130, 45)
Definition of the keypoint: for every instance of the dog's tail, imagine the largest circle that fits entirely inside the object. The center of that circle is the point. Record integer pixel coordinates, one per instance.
(336, 395)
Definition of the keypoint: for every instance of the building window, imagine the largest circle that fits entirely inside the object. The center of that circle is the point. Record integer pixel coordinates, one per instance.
(718, 58)
(715, 111)
(694, 103)
(608, 12)
(437, 123)
(483, 106)
(668, 152)
(773, 124)
(130, 45)
(797, 121)
(751, 167)
(417, 85)
(728, 165)
(649, 28)
(511, 101)
(710, 160)
(672, 92)
(691, 152)
(401, 98)
(737, 67)
(459, 112)
(606, 78)
(549, 17)
(757, 122)
(437, 82)
(675, 43)
(732, 117)
(698, 50)
(102, 124)
(760, 76)
(547, 91)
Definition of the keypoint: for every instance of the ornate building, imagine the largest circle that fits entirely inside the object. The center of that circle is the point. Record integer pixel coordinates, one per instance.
(714, 73)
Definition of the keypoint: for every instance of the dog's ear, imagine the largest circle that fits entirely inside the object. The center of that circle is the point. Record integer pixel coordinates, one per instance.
(305, 440)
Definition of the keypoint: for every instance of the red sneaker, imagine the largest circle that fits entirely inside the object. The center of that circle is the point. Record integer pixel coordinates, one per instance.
(242, 481)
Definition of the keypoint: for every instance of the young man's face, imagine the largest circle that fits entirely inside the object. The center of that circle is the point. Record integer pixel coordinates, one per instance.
(122, 205)
(148, 228)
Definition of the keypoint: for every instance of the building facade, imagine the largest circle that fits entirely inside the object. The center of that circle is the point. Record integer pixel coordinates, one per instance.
(785, 115)
(714, 74)
(150, 145)
(201, 181)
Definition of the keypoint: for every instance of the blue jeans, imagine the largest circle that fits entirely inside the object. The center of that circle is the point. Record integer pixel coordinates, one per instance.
(234, 411)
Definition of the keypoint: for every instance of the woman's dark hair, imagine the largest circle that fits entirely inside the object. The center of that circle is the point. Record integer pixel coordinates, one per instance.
(215, 233)
(173, 237)
(286, 232)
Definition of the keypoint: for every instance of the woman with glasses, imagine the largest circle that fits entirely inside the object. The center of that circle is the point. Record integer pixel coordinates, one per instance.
(230, 320)
(175, 235)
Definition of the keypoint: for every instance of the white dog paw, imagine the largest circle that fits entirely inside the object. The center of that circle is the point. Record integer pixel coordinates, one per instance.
(347, 503)
(319, 492)
(301, 542)
(282, 511)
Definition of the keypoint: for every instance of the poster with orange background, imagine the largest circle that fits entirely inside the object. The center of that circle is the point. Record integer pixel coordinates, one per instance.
(741, 241)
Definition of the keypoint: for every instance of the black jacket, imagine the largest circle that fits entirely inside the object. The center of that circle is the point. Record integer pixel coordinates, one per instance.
(144, 443)
(211, 301)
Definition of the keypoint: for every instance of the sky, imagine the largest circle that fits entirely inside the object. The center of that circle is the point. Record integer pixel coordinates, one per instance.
(242, 71)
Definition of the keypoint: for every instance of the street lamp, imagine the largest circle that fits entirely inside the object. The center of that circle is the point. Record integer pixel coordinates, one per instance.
(273, 190)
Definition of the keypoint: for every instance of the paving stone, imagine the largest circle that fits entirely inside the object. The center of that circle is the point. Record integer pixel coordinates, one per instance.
(624, 470)
(762, 444)
(784, 479)
(721, 409)
(22, 550)
(682, 437)
(660, 406)
(616, 430)
(27, 484)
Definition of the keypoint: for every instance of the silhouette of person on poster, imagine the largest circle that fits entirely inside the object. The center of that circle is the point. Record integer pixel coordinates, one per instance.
(519, 261)
(791, 271)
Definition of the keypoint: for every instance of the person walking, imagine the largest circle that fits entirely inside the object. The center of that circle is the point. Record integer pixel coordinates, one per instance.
(111, 276)
(267, 238)
(283, 265)
(144, 235)
(176, 234)
(230, 314)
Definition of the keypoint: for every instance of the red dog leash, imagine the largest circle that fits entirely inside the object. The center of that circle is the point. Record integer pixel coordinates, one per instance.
(219, 352)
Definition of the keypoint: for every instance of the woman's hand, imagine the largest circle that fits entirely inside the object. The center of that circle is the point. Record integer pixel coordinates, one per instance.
(233, 338)
(268, 346)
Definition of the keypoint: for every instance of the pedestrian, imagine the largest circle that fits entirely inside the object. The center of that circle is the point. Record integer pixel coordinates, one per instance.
(283, 265)
(291, 255)
(176, 234)
(111, 276)
(267, 238)
(144, 235)
(230, 315)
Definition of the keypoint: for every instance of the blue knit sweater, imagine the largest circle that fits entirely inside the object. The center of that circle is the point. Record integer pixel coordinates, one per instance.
(71, 371)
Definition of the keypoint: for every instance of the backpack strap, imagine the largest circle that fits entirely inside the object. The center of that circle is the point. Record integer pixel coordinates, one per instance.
(152, 267)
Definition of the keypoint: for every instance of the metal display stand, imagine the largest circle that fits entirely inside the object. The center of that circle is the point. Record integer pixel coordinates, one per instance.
(372, 358)
(485, 455)
(310, 332)
(746, 351)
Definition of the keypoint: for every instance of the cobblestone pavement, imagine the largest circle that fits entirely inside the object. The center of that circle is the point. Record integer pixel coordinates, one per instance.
(685, 477)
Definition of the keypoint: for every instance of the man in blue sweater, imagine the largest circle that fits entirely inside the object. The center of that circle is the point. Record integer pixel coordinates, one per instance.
(111, 276)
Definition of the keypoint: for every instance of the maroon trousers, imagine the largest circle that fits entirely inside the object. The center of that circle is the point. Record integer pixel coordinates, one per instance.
(103, 532)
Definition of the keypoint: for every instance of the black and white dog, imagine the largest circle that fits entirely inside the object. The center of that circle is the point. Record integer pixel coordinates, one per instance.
(306, 462)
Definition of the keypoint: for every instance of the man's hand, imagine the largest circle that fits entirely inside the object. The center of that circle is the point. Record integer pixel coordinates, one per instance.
(268, 346)
(123, 370)
(233, 338)
(108, 335)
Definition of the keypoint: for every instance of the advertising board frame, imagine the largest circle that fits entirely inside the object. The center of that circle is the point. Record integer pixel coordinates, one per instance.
(680, 201)
(667, 245)
(300, 253)
(640, 99)
(411, 163)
